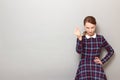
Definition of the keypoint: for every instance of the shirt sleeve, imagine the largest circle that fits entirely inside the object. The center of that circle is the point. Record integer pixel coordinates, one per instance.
(109, 49)
(79, 46)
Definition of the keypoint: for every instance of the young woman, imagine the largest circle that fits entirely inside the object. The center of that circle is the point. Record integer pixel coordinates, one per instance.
(89, 45)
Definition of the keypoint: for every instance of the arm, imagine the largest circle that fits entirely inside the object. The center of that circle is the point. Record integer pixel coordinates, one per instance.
(109, 49)
(79, 40)
(79, 46)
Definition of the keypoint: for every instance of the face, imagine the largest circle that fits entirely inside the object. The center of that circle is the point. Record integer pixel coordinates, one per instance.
(90, 28)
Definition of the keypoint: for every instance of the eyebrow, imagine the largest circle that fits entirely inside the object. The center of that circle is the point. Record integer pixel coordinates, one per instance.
(91, 27)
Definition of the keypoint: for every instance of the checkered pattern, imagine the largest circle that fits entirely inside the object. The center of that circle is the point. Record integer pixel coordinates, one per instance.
(89, 49)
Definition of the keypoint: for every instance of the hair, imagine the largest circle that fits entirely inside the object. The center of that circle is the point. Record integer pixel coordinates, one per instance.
(89, 19)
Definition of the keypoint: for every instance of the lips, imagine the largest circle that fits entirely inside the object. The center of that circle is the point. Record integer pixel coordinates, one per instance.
(90, 33)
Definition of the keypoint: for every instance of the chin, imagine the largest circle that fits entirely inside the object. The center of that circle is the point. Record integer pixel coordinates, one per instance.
(91, 34)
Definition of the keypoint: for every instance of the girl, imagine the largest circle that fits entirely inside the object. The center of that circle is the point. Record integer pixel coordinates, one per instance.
(89, 45)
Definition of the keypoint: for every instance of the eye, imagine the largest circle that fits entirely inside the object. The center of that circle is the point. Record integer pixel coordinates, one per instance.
(87, 27)
(92, 27)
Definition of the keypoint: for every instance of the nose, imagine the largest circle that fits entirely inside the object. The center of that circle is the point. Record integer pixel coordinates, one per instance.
(90, 30)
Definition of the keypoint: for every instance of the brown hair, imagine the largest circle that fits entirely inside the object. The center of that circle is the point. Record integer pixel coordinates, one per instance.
(89, 19)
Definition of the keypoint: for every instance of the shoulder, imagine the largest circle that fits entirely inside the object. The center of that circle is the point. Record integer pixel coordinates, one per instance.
(100, 36)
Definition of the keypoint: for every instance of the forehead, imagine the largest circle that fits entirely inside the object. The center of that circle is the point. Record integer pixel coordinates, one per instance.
(87, 24)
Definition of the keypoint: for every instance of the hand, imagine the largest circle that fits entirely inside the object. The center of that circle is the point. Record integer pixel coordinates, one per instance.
(98, 61)
(77, 33)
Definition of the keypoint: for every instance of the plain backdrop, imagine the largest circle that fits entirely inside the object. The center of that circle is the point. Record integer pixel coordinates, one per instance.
(37, 40)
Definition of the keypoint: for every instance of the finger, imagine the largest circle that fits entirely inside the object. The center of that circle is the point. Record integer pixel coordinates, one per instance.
(75, 30)
(98, 62)
(96, 58)
(95, 61)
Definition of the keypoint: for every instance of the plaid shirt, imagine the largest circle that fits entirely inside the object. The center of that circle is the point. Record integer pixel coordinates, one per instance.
(89, 49)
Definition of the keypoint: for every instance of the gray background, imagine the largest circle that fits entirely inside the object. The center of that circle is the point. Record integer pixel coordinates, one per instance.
(37, 40)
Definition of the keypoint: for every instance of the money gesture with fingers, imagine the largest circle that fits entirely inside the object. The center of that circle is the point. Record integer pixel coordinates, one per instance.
(77, 33)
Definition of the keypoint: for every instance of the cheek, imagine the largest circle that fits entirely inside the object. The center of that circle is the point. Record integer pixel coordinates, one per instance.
(87, 30)
(93, 30)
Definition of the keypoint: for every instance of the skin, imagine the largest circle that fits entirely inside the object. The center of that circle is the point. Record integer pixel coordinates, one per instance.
(90, 29)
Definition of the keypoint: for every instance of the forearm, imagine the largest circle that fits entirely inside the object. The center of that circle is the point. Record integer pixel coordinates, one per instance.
(79, 46)
(107, 57)
(109, 49)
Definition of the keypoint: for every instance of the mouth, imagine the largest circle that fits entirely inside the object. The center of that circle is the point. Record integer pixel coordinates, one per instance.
(90, 33)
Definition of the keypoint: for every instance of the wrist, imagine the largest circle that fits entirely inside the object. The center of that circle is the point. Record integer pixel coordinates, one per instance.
(79, 37)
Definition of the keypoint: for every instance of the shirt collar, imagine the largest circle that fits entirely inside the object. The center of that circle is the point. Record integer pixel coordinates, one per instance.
(87, 36)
